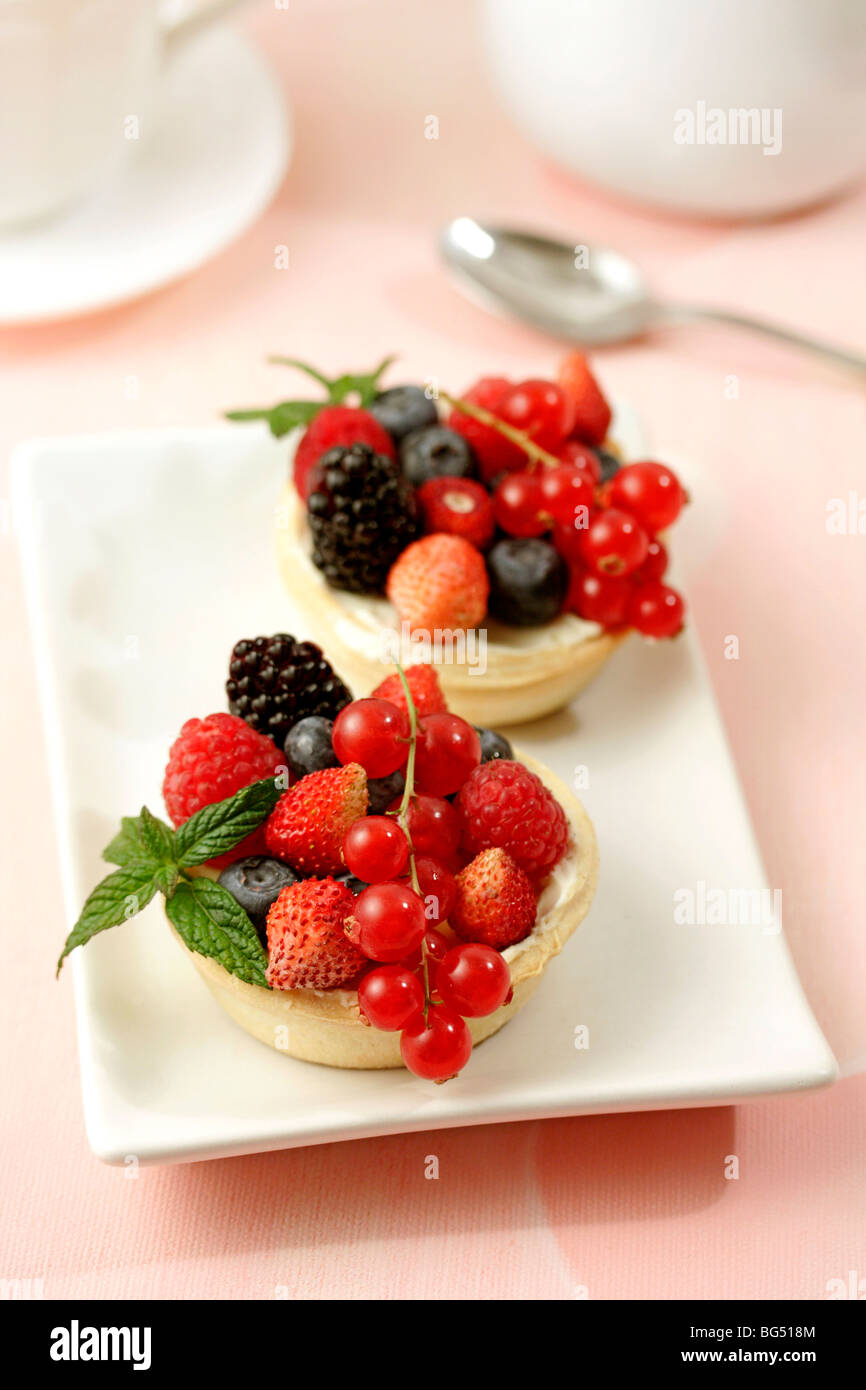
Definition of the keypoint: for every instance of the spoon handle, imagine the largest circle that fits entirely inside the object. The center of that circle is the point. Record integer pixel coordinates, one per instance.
(836, 357)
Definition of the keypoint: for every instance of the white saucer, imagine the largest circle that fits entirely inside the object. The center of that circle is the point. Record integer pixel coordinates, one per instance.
(212, 167)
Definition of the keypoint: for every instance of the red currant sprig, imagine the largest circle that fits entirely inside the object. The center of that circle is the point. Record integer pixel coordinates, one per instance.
(521, 438)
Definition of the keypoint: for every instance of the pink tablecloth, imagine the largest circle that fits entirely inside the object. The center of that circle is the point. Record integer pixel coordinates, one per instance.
(624, 1206)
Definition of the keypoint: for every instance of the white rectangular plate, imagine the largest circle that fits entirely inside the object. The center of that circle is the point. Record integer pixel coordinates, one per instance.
(146, 557)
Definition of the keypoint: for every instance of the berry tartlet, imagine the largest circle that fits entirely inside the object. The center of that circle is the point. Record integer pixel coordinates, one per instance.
(498, 535)
(364, 883)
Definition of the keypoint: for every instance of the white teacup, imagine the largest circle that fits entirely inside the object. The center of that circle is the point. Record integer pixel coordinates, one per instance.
(79, 86)
(726, 107)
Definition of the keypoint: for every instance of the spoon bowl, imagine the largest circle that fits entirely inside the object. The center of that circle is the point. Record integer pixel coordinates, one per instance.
(589, 295)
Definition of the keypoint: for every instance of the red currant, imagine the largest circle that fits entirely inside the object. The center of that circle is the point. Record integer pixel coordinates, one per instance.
(651, 492)
(566, 539)
(389, 921)
(438, 888)
(447, 750)
(613, 543)
(656, 611)
(566, 496)
(437, 1047)
(435, 944)
(375, 734)
(599, 598)
(495, 453)
(389, 996)
(581, 457)
(375, 849)
(434, 826)
(473, 979)
(541, 409)
(655, 564)
(516, 504)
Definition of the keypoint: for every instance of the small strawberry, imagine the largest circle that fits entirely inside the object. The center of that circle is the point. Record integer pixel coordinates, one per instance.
(337, 426)
(307, 826)
(459, 507)
(307, 946)
(495, 902)
(424, 686)
(592, 412)
(439, 582)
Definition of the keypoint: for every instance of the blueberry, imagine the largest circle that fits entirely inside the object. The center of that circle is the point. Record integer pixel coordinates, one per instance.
(528, 582)
(493, 745)
(255, 883)
(308, 746)
(403, 409)
(610, 464)
(436, 452)
(355, 885)
(383, 790)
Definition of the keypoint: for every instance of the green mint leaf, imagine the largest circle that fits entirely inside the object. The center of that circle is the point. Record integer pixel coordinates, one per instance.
(118, 897)
(210, 922)
(158, 837)
(167, 879)
(141, 840)
(215, 829)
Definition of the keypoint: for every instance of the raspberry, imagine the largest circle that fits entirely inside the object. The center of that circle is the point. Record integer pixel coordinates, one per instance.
(308, 824)
(503, 803)
(337, 424)
(439, 582)
(459, 507)
(495, 902)
(426, 691)
(307, 945)
(211, 759)
(592, 412)
(495, 453)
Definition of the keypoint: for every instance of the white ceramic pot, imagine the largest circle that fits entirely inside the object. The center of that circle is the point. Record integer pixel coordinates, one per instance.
(738, 108)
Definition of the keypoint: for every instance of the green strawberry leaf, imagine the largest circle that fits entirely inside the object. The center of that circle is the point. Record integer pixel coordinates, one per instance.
(283, 417)
(210, 922)
(287, 415)
(119, 896)
(217, 828)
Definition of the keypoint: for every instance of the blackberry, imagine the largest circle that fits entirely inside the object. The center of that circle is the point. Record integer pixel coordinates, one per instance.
(275, 681)
(362, 514)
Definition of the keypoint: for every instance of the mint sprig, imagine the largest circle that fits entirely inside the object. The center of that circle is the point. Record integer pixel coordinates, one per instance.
(287, 415)
(153, 858)
(210, 922)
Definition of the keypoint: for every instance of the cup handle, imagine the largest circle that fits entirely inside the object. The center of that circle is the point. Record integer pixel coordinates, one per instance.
(179, 22)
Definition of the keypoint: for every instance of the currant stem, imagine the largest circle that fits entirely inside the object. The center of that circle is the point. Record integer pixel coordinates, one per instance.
(519, 437)
(403, 816)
